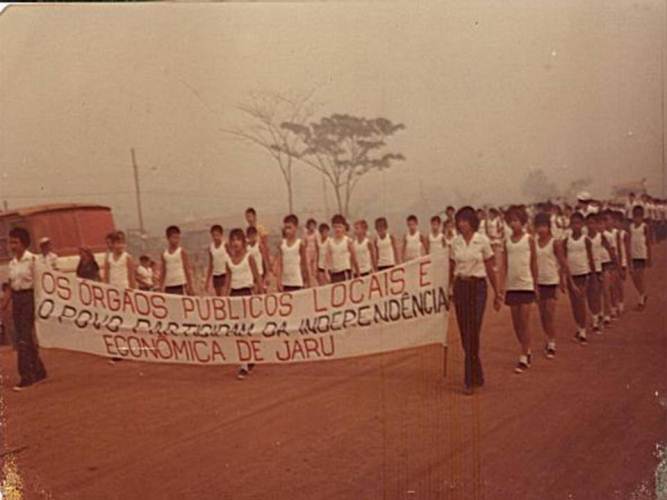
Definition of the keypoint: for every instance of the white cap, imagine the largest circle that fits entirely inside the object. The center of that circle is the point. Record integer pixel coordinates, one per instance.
(43, 240)
(584, 196)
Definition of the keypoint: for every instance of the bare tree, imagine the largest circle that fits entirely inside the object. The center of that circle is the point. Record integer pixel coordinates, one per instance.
(263, 114)
(343, 148)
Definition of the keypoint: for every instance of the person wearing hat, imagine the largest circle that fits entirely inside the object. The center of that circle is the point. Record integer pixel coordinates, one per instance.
(585, 204)
(47, 259)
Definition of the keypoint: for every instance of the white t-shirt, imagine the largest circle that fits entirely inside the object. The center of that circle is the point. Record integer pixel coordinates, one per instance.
(385, 248)
(469, 257)
(22, 272)
(547, 263)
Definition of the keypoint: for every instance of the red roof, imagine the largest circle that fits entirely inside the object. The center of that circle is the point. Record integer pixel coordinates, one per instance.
(51, 207)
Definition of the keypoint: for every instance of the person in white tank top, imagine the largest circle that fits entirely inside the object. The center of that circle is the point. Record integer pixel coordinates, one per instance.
(520, 281)
(259, 252)
(622, 245)
(243, 278)
(436, 238)
(363, 249)
(596, 281)
(341, 249)
(310, 239)
(292, 262)
(176, 277)
(610, 267)
(580, 265)
(385, 245)
(323, 252)
(551, 272)
(640, 252)
(119, 266)
(217, 263)
(414, 243)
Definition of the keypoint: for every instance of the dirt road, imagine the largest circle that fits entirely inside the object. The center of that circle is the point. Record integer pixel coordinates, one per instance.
(583, 426)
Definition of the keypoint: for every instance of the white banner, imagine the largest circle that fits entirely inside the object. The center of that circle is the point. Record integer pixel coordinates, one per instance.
(403, 307)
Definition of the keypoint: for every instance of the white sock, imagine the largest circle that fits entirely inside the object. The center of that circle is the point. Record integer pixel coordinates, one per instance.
(582, 333)
(551, 344)
(621, 306)
(523, 359)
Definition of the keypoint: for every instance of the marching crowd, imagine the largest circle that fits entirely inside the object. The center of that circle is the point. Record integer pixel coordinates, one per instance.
(525, 253)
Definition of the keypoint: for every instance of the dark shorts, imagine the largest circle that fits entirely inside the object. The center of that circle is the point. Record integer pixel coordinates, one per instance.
(288, 288)
(240, 292)
(175, 290)
(608, 266)
(341, 276)
(321, 270)
(547, 291)
(144, 288)
(219, 281)
(365, 274)
(382, 268)
(518, 297)
(639, 263)
(580, 280)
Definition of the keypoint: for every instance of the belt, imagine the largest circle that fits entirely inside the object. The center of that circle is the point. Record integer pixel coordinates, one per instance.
(25, 290)
(469, 278)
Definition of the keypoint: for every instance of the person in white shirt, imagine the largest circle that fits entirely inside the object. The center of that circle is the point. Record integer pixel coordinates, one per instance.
(520, 280)
(640, 253)
(292, 271)
(216, 273)
(436, 238)
(22, 276)
(144, 274)
(243, 278)
(551, 272)
(176, 276)
(385, 245)
(47, 259)
(471, 263)
(414, 243)
(364, 250)
(343, 260)
(323, 254)
(119, 268)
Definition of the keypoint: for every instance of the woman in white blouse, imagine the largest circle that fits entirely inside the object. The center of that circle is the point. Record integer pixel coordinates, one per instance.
(472, 262)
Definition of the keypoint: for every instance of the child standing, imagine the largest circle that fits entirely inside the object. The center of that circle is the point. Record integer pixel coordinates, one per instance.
(580, 265)
(343, 260)
(414, 243)
(259, 253)
(622, 251)
(292, 270)
(217, 260)
(323, 254)
(610, 267)
(144, 274)
(176, 275)
(551, 271)
(436, 238)
(385, 245)
(363, 249)
(119, 266)
(600, 248)
(521, 281)
(311, 249)
(640, 252)
(243, 278)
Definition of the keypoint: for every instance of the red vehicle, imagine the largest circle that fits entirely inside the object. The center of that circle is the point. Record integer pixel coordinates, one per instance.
(69, 226)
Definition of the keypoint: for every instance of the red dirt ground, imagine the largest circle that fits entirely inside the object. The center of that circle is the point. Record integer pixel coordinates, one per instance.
(584, 426)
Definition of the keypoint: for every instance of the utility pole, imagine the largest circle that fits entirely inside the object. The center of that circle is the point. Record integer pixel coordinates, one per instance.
(138, 191)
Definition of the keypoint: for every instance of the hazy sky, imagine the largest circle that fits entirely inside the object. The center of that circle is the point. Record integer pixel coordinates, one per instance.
(487, 91)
